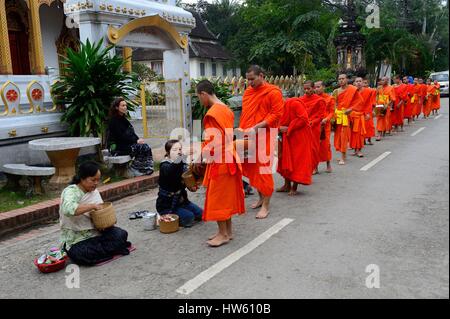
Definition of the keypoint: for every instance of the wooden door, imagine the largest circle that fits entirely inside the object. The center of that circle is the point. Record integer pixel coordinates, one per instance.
(18, 43)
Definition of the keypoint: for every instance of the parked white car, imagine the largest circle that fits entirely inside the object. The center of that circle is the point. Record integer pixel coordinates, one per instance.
(442, 78)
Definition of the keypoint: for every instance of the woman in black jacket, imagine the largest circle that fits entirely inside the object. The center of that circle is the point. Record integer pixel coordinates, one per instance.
(124, 141)
(172, 195)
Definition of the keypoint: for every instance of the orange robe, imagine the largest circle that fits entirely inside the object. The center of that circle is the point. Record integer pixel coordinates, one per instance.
(423, 95)
(346, 99)
(264, 103)
(316, 109)
(401, 94)
(223, 181)
(428, 100)
(325, 154)
(416, 100)
(436, 100)
(385, 95)
(409, 105)
(358, 124)
(369, 96)
(295, 163)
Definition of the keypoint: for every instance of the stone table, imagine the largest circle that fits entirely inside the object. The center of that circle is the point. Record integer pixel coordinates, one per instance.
(63, 153)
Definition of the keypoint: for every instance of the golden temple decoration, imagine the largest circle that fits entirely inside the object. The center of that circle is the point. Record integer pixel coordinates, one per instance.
(5, 53)
(36, 38)
(127, 55)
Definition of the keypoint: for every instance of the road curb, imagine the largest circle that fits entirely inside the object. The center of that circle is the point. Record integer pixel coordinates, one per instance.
(22, 218)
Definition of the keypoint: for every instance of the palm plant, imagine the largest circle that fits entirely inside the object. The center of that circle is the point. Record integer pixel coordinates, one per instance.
(91, 79)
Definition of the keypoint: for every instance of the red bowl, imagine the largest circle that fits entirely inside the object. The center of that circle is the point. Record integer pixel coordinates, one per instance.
(56, 266)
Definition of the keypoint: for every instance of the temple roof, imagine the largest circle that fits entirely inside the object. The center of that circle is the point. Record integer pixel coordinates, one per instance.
(203, 43)
(201, 30)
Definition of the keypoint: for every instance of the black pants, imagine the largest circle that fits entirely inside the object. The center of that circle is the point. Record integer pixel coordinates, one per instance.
(111, 242)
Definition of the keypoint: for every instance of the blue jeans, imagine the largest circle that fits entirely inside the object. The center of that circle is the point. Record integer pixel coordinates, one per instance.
(188, 213)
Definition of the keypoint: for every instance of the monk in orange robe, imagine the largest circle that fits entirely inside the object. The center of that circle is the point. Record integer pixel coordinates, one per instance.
(400, 91)
(262, 108)
(423, 96)
(369, 97)
(295, 163)
(428, 99)
(347, 97)
(385, 103)
(358, 122)
(408, 109)
(416, 99)
(436, 105)
(325, 154)
(316, 108)
(223, 176)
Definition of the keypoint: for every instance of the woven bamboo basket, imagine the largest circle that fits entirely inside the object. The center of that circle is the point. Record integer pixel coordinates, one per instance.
(105, 217)
(169, 227)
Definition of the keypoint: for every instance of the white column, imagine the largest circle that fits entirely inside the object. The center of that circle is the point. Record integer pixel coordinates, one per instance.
(176, 66)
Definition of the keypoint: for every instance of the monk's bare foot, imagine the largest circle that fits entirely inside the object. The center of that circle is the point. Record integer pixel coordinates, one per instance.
(283, 189)
(341, 162)
(329, 170)
(219, 240)
(360, 154)
(263, 213)
(215, 235)
(257, 204)
(293, 193)
(315, 172)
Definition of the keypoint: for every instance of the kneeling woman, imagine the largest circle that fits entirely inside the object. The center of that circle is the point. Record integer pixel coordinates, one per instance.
(172, 195)
(84, 244)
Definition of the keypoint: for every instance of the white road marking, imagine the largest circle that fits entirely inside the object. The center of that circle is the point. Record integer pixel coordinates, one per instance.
(206, 275)
(418, 131)
(438, 116)
(375, 161)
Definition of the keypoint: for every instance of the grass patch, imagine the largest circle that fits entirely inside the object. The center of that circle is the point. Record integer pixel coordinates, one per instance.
(10, 200)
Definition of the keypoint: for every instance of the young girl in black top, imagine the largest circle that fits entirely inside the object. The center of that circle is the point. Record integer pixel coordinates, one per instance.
(126, 142)
(172, 195)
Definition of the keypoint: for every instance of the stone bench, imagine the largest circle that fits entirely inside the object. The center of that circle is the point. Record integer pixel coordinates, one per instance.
(34, 174)
(120, 163)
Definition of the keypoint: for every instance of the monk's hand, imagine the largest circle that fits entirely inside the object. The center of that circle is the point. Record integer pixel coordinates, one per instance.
(283, 129)
(348, 111)
(367, 116)
(323, 122)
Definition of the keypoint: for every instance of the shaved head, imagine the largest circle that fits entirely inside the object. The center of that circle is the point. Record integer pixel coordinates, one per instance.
(319, 87)
(308, 87)
(343, 80)
(359, 82)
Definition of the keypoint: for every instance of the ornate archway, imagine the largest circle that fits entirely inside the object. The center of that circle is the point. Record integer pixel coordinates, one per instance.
(117, 34)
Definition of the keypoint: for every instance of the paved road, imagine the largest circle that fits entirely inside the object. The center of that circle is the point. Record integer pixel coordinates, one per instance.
(395, 215)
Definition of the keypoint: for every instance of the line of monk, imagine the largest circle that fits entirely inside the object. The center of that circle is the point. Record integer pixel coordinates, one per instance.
(303, 128)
